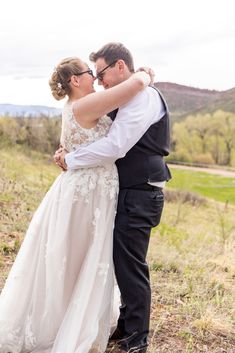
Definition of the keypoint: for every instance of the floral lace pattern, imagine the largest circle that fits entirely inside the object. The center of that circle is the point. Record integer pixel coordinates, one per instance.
(30, 339)
(15, 341)
(74, 136)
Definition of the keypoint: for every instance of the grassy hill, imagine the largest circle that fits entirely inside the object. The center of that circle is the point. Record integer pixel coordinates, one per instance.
(184, 100)
(191, 253)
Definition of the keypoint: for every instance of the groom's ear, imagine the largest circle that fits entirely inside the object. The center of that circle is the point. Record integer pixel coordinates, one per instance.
(121, 65)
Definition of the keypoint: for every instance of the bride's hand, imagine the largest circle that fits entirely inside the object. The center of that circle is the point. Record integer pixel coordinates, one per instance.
(59, 158)
(56, 156)
(59, 150)
(148, 71)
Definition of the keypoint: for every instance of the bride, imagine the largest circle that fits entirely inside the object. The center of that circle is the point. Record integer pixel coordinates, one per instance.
(58, 297)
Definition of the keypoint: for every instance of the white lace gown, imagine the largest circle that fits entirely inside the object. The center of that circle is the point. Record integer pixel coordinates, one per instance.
(58, 297)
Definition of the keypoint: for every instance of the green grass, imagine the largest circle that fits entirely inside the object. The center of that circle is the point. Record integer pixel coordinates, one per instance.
(25, 178)
(212, 186)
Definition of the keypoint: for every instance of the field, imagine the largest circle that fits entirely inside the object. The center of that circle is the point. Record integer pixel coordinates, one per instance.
(191, 253)
(212, 186)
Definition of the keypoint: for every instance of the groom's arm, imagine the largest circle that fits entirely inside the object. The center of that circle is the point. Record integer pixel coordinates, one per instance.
(132, 121)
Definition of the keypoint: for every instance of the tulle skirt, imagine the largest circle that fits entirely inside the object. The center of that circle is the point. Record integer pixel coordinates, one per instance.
(59, 296)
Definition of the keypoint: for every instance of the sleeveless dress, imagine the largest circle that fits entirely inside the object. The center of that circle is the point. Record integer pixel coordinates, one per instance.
(58, 297)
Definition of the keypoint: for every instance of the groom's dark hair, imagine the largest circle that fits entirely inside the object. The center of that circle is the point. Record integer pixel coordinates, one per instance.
(112, 52)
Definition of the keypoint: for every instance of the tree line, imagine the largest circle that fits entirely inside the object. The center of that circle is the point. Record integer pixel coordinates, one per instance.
(41, 134)
(201, 138)
(205, 138)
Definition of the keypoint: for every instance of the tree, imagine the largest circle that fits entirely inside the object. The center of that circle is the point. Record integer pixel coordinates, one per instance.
(223, 129)
(208, 138)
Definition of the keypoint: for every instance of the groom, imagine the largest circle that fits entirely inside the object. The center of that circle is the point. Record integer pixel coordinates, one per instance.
(138, 140)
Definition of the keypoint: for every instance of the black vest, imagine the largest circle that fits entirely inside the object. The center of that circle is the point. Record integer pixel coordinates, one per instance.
(144, 161)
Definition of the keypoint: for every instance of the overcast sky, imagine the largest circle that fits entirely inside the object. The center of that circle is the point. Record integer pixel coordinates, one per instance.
(190, 42)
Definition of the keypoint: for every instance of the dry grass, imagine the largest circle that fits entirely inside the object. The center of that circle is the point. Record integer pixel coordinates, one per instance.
(193, 280)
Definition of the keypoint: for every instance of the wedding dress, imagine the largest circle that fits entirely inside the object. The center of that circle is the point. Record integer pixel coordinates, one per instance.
(58, 297)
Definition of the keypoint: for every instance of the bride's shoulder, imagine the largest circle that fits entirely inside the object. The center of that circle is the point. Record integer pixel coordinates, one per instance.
(67, 110)
(67, 107)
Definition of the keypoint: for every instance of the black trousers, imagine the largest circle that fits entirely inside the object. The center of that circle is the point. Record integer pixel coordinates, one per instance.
(139, 209)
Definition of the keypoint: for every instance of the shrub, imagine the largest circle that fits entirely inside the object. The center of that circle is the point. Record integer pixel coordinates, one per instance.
(180, 155)
(205, 158)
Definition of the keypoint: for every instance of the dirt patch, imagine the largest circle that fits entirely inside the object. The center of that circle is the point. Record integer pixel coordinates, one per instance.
(221, 172)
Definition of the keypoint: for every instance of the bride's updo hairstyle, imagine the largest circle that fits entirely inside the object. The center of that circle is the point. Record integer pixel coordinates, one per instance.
(62, 73)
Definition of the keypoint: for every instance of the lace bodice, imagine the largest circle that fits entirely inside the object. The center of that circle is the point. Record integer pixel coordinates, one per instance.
(73, 135)
(103, 178)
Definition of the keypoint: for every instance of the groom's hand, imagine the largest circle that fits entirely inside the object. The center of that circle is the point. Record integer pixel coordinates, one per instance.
(59, 158)
(148, 71)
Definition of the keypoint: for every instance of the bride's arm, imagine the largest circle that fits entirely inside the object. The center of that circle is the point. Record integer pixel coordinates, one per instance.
(94, 105)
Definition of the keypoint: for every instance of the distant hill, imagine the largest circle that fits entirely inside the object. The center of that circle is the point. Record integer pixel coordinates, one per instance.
(28, 110)
(184, 100)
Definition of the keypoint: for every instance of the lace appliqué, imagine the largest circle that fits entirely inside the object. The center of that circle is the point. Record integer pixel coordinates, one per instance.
(10, 340)
(103, 269)
(14, 340)
(30, 339)
(104, 179)
(74, 136)
(88, 179)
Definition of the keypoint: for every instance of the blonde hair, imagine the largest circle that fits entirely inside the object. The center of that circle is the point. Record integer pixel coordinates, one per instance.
(63, 71)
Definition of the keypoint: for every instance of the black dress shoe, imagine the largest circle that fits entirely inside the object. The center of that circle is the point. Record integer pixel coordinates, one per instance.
(117, 335)
(119, 342)
(142, 348)
(130, 350)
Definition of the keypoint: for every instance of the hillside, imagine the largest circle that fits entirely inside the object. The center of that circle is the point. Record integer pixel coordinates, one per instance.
(225, 101)
(184, 100)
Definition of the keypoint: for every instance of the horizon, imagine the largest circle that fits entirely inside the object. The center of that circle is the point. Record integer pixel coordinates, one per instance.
(62, 102)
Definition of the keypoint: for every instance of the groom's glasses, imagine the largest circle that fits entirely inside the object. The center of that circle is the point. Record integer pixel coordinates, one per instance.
(90, 72)
(100, 75)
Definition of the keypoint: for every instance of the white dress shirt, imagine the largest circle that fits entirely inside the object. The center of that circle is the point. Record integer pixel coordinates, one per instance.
(132, 121)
